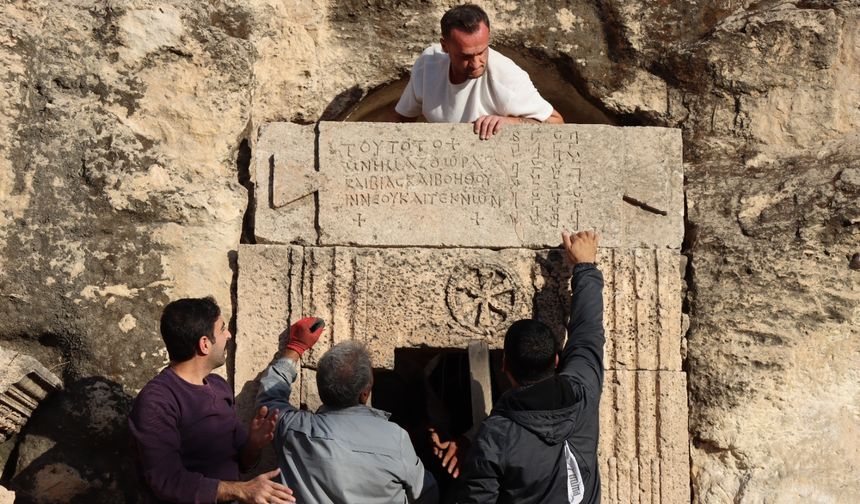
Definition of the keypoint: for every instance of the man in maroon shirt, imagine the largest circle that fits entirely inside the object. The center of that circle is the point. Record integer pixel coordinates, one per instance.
(189, 442)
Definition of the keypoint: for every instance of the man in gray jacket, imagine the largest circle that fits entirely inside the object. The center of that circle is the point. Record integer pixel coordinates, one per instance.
(346, 452)
(539, 444)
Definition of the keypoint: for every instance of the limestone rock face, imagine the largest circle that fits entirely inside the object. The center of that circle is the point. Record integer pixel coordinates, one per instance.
(773, 205)
(76, 448)
(792, 351)
(121, 126)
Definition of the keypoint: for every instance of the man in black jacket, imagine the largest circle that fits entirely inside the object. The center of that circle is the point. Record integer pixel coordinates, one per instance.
(539, 444)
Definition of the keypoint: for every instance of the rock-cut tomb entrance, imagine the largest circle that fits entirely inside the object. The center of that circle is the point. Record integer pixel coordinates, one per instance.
(425, 243)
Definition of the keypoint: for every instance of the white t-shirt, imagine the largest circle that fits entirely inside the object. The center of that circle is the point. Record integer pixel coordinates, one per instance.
(504, 89)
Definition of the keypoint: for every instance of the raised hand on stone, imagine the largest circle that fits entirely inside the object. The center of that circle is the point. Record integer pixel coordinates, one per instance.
(581, 247)
(487, 126)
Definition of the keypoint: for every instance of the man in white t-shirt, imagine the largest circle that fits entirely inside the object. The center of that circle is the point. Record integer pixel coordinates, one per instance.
(462, 80)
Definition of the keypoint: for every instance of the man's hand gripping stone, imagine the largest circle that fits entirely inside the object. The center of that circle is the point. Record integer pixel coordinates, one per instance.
(303, 335)
(487, 126)
(581, 247)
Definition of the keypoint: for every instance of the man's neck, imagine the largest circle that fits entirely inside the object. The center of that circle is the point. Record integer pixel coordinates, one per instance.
(193, 370)
(453, 79)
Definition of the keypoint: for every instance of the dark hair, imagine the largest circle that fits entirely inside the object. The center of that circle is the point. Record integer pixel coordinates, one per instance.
(530, 350)
(343, 373)
(466, 17)
(184, 321)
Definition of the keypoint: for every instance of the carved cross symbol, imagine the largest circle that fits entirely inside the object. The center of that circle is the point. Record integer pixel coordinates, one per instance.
(358, 220)
(477, 219)
(481, 298)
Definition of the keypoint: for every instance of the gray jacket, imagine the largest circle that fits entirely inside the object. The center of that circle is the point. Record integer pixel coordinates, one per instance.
(351, 455)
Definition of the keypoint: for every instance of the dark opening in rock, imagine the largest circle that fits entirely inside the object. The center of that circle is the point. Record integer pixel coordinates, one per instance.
(432, 387)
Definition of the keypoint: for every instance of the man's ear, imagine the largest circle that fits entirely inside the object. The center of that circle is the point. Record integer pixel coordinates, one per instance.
(444, 45)
(556, 361)
(365, 395)
(507, 372)
(204, 345)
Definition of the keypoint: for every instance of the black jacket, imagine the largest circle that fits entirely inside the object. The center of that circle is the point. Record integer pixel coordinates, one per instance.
(519, 454)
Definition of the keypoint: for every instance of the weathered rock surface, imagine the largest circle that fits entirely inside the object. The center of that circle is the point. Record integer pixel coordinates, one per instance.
(122, 126)
(773, 204)
(780, 308)
(76, 448)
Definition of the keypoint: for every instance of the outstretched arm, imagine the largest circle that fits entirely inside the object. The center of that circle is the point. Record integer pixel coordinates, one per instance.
(277, 382)
(582, 356)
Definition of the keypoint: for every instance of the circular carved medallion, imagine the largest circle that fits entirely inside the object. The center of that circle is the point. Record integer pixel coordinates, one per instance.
(481, 297)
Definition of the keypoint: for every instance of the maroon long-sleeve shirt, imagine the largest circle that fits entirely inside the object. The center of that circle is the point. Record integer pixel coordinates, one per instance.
(187, 437)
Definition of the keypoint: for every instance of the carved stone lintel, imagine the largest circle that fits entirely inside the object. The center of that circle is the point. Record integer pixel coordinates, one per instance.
(24, 383)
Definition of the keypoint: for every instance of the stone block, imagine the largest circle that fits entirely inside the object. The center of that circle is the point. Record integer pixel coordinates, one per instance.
(643, 451)
(444, 298)
(283, 155)
(392, 298)
(24, 383)
(438, 185)
(642, 309)
(269, 293)
(6, 496)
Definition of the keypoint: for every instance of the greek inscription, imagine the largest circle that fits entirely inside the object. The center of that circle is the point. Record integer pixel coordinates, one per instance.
(574, 218)
(535, 216)
(389, 147)
(565, 151)
(349, 149)
(541, 186)
(515, 174)
(458, 199)
(377, 199)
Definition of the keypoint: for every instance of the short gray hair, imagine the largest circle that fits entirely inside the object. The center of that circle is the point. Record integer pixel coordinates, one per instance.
(343, 373)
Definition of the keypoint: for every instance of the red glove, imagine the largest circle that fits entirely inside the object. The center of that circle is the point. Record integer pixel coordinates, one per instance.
(304, 333)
